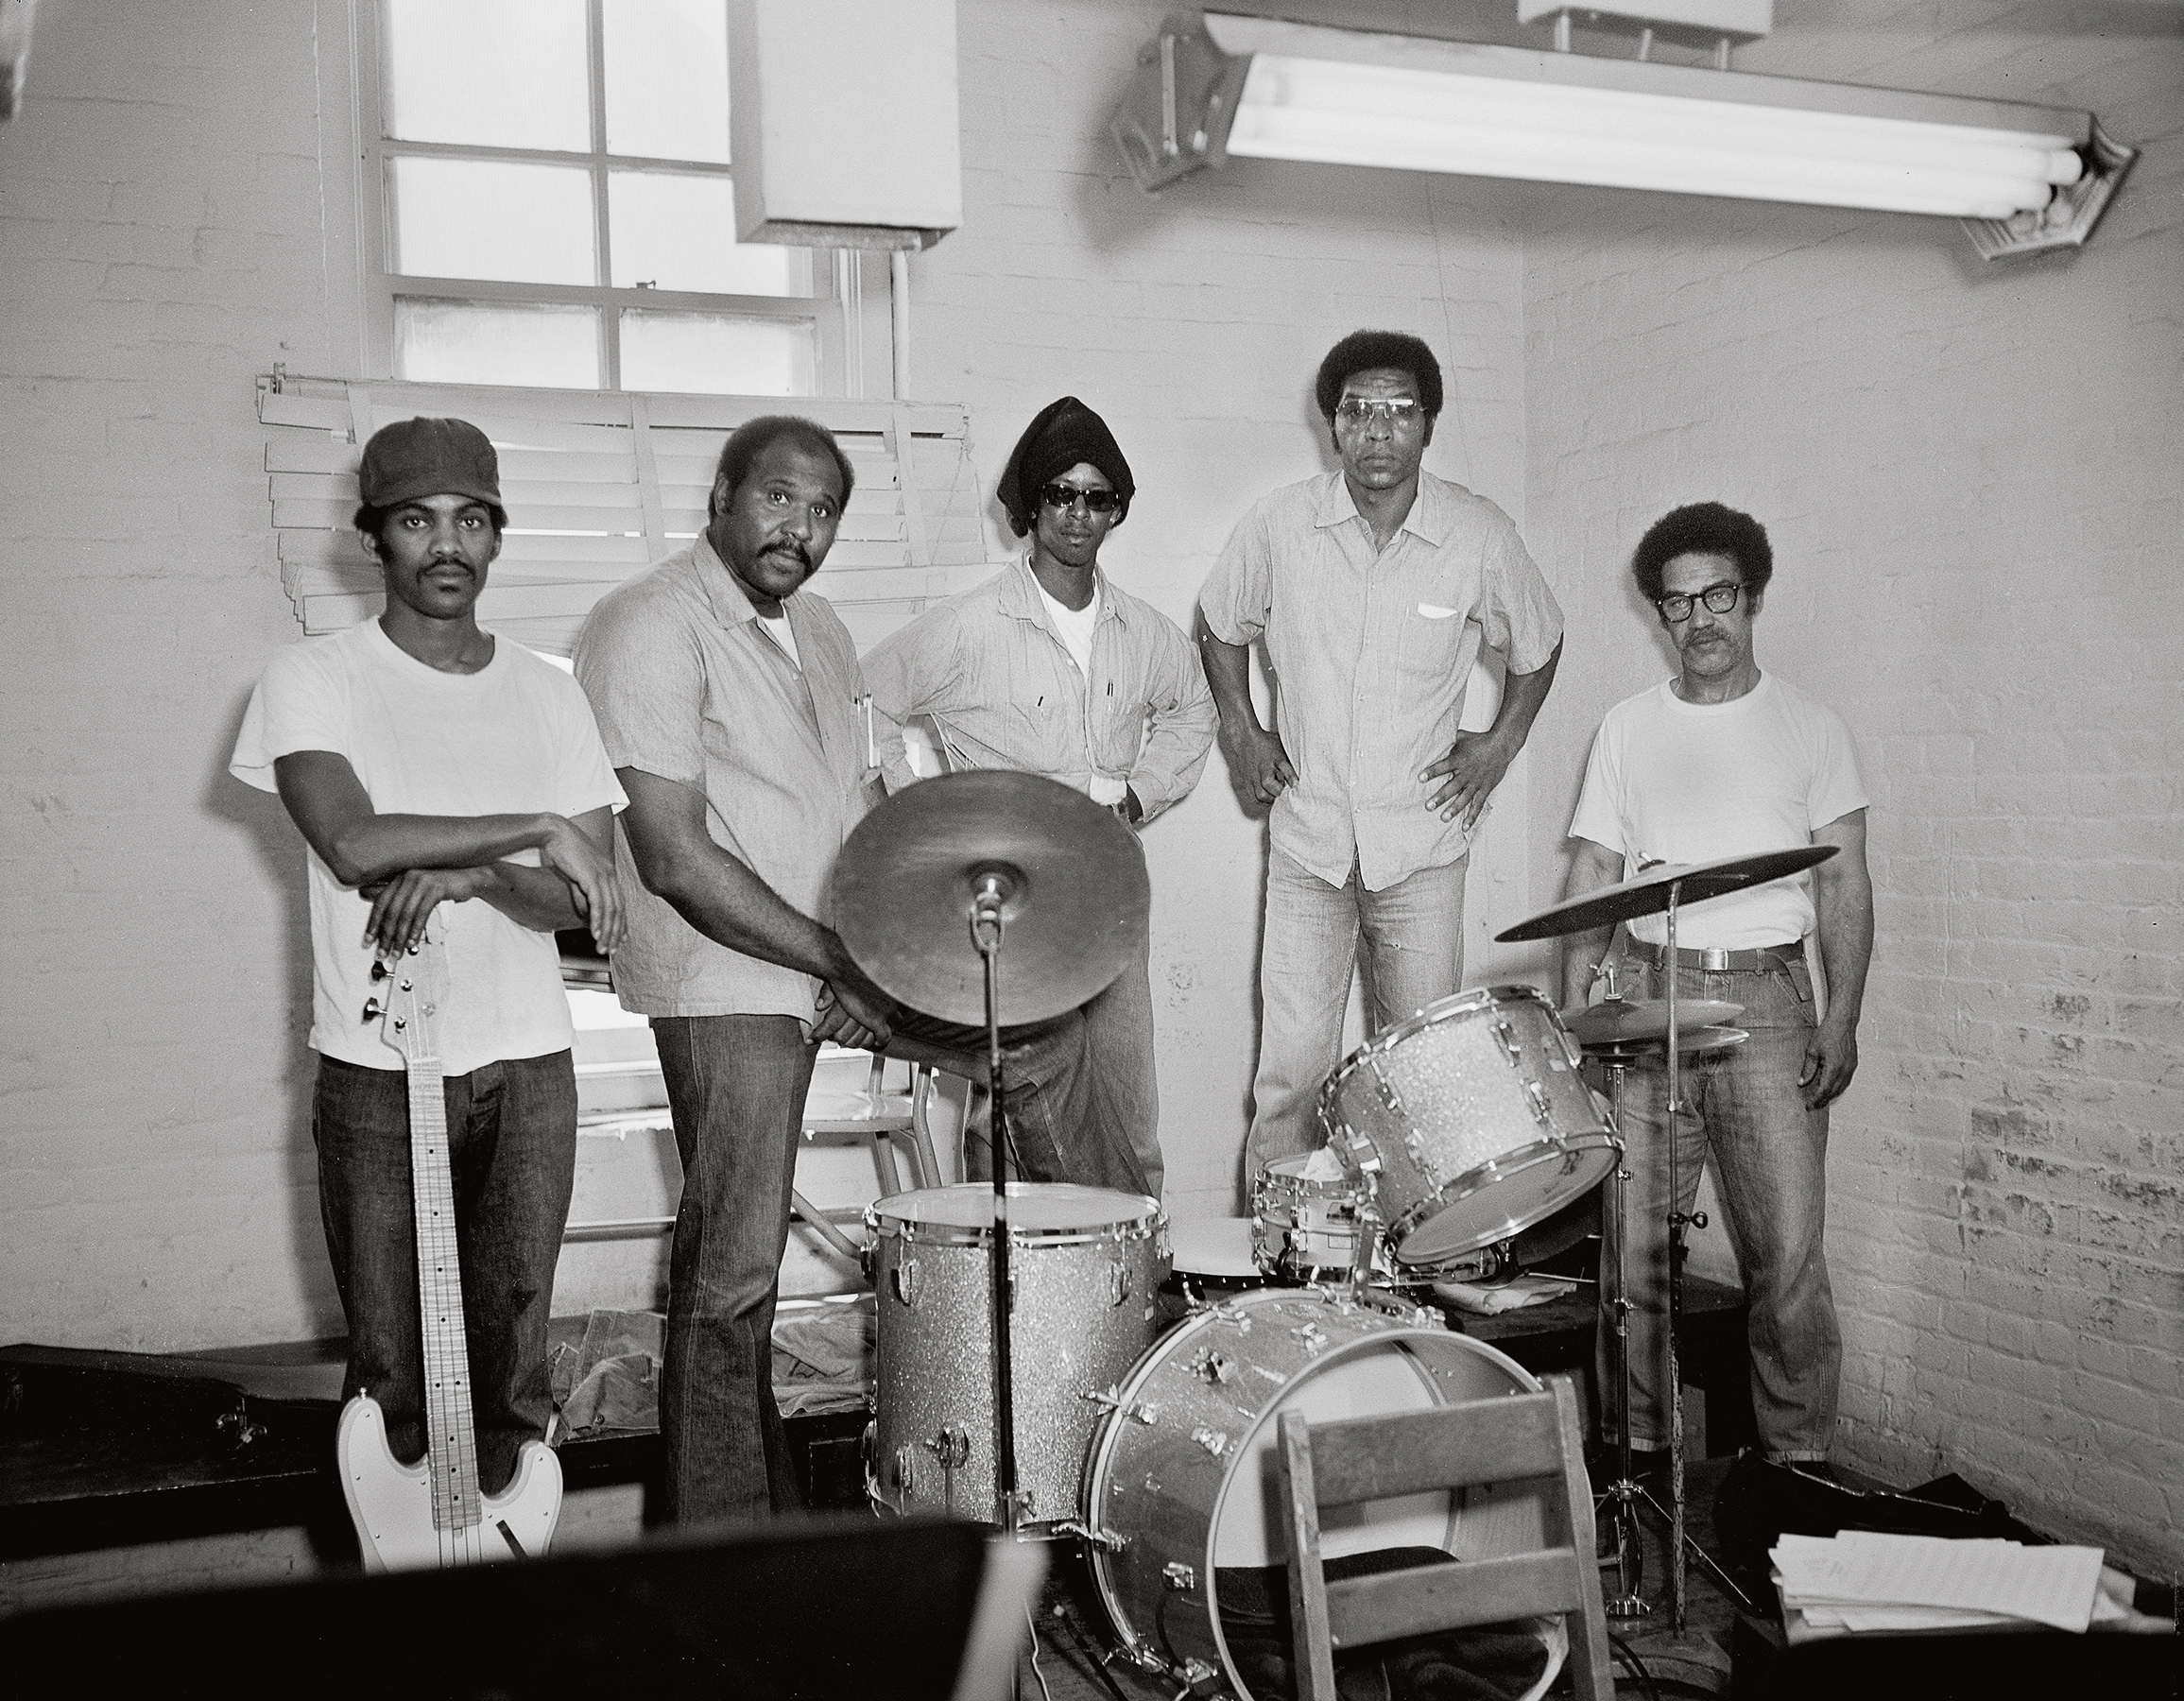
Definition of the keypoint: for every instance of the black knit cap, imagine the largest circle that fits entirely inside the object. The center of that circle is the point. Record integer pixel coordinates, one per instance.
(1065, 432)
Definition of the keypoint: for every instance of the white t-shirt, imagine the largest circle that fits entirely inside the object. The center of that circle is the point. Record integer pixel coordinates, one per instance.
(1682, 782)
(777, 627)
(1074, 628)
(517, 737)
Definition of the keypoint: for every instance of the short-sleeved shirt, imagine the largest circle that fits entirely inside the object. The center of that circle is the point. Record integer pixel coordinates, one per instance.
(688, 687)
(514, 738)
(1681, 783)
(1370, 653)
(987, 664)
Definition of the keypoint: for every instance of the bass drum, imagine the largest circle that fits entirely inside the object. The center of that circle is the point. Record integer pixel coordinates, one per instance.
(1084, 1264)
(1184, 1485)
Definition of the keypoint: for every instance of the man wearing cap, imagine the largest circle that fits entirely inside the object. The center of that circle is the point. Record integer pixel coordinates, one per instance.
(730, 701)
(1050, 669)
(446, 779)
(1375, 587)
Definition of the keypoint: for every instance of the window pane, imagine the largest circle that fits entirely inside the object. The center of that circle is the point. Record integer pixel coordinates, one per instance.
(463, 342)
(497, 73)
(678, 233)
(716, 355)
(667, 78)
(490, 218)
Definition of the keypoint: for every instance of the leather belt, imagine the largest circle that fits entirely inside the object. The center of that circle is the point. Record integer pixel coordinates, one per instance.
(1723, 962)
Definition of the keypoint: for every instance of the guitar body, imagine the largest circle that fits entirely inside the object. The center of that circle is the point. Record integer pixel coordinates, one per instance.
(433, 1515)
(390, 1502)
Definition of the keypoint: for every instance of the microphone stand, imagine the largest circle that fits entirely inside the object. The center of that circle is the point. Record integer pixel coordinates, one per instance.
(990, 890)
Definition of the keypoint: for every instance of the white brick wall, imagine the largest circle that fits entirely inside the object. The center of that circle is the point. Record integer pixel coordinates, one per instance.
(1970, 475)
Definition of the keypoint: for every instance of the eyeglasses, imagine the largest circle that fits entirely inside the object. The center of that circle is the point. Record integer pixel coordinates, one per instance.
(1395, 410)
(1719, 599)
(1058, 496)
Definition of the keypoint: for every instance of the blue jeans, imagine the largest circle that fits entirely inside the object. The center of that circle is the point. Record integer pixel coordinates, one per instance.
(512, 1148)
(1769, 1158)
(736, 1086)
(1413, 934)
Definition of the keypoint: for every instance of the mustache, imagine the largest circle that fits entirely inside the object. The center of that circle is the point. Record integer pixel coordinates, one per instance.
(789, 547)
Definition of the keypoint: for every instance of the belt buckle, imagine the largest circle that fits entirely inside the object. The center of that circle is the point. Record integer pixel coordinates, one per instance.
(1713, 960)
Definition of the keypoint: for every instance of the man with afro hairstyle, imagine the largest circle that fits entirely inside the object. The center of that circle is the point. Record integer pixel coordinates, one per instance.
(1375, 587)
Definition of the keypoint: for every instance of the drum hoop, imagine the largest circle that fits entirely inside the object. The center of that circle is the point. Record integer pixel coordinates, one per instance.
(1502, 1167)
(1432, 1015)
(1137, 1643)
(912, 1233)
(1271, 1180)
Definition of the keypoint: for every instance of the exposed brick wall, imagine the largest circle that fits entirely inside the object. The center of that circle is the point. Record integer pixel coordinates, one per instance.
(1970, 475)
(159, 245)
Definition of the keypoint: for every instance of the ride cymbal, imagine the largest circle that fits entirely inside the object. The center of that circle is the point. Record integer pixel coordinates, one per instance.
(1648, 893)
(1075, 895)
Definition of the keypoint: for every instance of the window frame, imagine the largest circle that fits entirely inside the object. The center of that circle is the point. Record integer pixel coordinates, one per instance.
(836, 309)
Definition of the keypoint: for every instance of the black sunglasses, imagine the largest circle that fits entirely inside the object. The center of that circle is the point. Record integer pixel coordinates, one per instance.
(1058, 496)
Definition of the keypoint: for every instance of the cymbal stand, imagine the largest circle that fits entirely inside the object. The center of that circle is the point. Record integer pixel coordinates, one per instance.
(1629, 1549)
(992, 889)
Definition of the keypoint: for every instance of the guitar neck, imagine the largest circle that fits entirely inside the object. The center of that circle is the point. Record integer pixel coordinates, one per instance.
(451, 1436)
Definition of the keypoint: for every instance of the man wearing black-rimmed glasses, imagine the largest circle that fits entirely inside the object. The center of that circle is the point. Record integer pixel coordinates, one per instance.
(1048, 668)
(1375, 587)
(1724, 759)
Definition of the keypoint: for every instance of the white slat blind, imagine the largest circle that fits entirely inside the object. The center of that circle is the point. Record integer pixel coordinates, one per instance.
(598, 485)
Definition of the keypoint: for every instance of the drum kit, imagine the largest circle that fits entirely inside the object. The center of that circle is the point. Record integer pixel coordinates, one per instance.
(1025, 1375)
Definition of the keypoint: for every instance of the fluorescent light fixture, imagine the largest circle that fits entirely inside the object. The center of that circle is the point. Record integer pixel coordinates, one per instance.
(1218, 85)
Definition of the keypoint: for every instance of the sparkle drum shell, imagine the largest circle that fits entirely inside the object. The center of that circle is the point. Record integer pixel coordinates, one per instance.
(1304, 1230)
(1468, 1122)
(1084, 1266)
(1184, 1479)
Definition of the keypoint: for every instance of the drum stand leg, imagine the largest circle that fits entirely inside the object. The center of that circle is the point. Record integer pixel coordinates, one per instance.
(1629, 1550)
(990, 892)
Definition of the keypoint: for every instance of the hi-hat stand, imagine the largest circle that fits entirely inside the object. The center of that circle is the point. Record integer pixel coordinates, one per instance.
(992, 889)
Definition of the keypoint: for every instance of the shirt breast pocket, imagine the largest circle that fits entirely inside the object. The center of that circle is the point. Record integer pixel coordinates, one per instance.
(1431, 640)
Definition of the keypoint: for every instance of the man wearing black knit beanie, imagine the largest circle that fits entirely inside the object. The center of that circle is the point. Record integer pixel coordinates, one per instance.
(1049, 669)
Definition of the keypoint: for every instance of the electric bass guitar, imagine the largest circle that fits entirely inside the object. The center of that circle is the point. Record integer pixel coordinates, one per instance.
(431, 1515)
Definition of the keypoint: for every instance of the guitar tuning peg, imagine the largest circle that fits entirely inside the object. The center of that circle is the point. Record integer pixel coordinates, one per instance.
(379, 968)
(371, 1010)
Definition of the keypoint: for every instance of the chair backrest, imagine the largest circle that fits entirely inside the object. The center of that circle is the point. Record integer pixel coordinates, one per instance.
(1516, 1437)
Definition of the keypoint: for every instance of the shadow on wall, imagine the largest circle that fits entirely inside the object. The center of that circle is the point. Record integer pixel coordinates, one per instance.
(282, 858)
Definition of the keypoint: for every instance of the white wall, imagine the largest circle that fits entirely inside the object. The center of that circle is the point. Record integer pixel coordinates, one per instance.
(1970, 474)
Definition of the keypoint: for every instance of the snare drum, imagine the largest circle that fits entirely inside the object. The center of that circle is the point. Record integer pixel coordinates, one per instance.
(1304, 1230)
(1083, 1263)
(1184, 1486)
(1468, 1122)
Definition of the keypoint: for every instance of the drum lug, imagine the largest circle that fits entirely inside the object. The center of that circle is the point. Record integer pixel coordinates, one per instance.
(1542, 1110)
(1118, 1283)
(906, 1281)
(952, 1447)
(1112, 1401)
(1215, 1367)
(1107, 1541)
(1388, 1092)
(1195, 1671)
(906, 1469)
(1181, 1577)
(1505, 1037)
(1214, 1441)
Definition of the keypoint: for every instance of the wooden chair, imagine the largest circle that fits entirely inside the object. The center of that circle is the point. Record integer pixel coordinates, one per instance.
(1360, 1460)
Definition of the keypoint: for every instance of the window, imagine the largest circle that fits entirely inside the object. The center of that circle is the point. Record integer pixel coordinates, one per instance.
(547, 198)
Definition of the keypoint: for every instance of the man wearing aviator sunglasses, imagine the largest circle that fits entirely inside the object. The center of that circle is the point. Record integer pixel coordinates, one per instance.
(1373, 587)
(1725, 759)
(1049, 669)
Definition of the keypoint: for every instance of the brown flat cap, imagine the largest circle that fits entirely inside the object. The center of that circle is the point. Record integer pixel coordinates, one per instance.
(429, 458)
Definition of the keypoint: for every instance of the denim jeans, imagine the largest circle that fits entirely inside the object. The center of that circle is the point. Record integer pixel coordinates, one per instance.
(736, 1086)
(1768, 1154)
(512, 1149)
(1413, 934)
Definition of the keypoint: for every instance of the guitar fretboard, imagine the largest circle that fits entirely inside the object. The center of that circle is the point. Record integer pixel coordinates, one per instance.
(451, 1438)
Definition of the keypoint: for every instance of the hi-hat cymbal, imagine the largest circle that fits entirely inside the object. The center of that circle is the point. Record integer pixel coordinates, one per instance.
(1613, 1020)
(1688, 1039)
(1648, 894)
(1074, 903)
